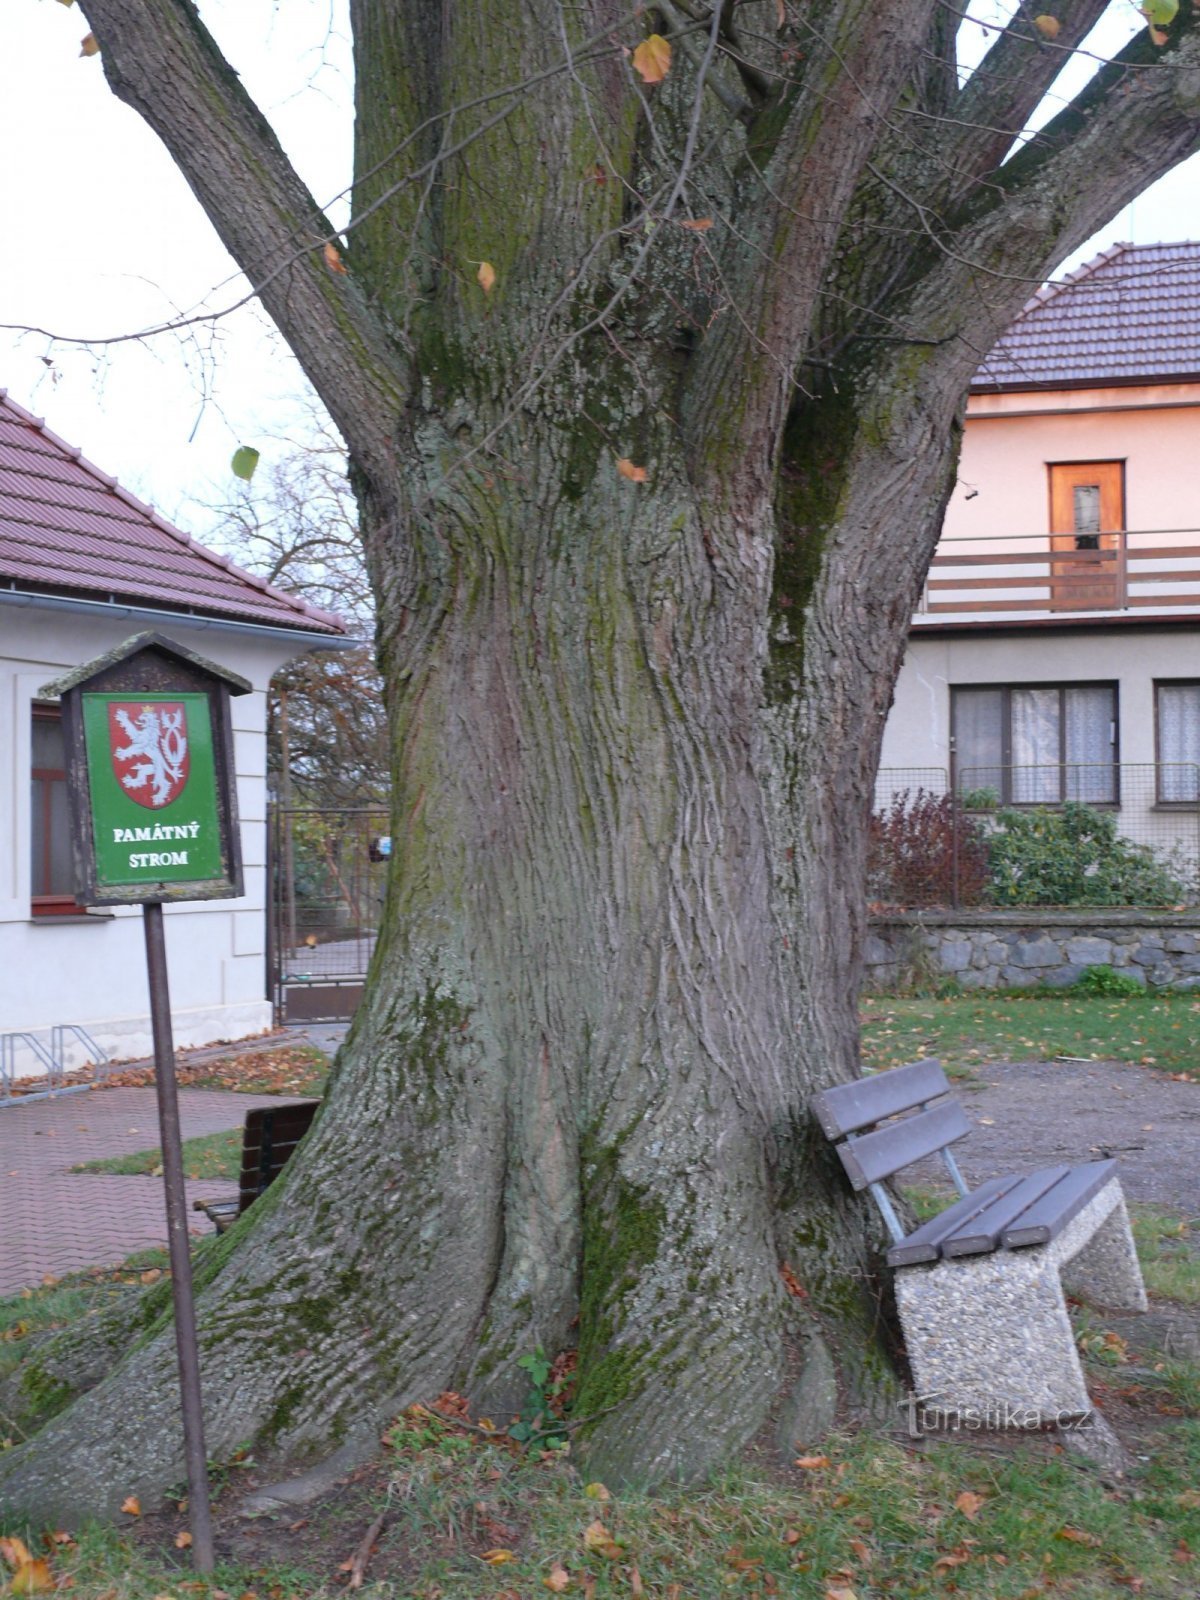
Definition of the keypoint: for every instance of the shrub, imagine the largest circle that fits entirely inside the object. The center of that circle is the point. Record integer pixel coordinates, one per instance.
(1105, 981)
(911, 852)
(1073, 856)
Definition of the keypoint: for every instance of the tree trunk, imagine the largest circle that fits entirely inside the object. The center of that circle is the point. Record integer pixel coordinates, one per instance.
(642, 599)
(571, 1112)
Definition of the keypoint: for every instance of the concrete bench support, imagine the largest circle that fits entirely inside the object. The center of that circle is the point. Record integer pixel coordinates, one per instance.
(988, 1336)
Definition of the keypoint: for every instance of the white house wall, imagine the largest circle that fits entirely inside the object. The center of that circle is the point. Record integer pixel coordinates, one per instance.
(918, 729)
(90, 970)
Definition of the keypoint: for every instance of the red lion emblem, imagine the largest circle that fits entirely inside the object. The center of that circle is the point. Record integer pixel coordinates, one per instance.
(149, 748)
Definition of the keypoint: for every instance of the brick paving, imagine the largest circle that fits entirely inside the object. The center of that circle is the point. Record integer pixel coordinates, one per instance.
(53, 1220)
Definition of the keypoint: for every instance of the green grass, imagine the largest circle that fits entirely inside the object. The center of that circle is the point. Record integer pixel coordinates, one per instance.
(876, 1519)
(1169, 1253)
(57, 1302)
(869, 1515)
(211, 1155)
(963, 1030)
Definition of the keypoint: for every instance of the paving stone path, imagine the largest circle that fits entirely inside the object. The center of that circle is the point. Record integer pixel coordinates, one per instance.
(53, 1220)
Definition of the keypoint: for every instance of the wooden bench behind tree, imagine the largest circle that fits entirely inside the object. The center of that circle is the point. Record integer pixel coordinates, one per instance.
(980, 1287)
(269, 1137)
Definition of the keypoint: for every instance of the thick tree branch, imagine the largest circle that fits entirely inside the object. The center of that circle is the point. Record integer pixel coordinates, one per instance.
(1009, 84)
(160, 60)
(808, 150)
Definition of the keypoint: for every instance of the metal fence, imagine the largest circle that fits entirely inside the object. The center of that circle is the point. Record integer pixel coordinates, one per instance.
(328, 874)
(1067, 834)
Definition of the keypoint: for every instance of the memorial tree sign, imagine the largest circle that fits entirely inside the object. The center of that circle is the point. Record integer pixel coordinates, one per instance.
(153, 808)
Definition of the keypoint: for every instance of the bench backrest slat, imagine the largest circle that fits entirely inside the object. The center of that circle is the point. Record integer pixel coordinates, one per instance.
(270, 1135)
(877, 1155)
(867, 1100)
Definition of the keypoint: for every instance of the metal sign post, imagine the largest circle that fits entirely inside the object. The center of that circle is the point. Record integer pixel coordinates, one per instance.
(154, 821)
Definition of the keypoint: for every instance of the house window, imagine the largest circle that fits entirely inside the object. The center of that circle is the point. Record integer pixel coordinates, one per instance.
(1032, 744)
(1177, 717)
(50, 835)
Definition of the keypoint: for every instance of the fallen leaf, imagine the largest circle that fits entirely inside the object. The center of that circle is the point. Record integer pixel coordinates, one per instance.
(862, 1551)
(969, 1503)
(812, 1463)
(15, 1551)
(841, 1592)
(955, 1558)
(652, 59)
(792, 1536)
(557, 1579)
(486, 276)
(627, 470)
(596, 1537)
(698, 224)
(780, 14)
(183, 1540)
(152, 1275)
(636, 1587)
(792, 1283)
(1049, 27)
(32, 1577)
(596, 1491)
(333, 258)
(497, 1558)
(1078, 1536)
(131, 1506)
(88, 45)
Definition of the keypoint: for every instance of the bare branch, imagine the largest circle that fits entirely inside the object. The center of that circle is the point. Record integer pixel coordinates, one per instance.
(159, 59)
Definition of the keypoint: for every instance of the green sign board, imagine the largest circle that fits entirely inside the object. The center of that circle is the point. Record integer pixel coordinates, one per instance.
(151, 787)
(152, 776)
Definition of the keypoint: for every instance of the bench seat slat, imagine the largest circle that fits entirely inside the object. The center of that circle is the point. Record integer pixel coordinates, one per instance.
(1046, 1218)
(877, 1155)
(981, 1234)
(923, 1243)
(856, 1105)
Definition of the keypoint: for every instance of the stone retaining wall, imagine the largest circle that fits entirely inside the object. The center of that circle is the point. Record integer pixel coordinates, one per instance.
(1021, 949)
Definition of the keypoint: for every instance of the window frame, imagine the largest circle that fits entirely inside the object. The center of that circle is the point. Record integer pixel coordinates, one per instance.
(1006, 691)
(46, 905)
(1161, 804)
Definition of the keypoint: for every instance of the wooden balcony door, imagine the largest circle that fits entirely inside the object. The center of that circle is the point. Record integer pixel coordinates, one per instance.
(1087, 515)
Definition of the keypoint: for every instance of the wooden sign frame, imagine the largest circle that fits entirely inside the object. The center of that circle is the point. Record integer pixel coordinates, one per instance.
(200, 856)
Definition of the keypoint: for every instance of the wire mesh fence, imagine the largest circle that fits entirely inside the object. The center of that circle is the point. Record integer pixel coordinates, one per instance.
(1067, 834)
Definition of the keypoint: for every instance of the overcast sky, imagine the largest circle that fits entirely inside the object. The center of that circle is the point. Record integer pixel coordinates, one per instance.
(104, 238)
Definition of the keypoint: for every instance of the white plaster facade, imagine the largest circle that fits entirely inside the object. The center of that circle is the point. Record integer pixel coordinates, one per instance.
(90, 969)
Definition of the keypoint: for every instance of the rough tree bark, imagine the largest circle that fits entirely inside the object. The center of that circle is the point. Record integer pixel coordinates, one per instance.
(635, 723)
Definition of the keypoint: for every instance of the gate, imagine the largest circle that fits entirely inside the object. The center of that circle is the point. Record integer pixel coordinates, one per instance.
(328, 871)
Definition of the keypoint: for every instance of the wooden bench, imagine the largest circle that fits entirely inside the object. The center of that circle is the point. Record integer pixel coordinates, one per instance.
(269, 1136)
(981, 1287)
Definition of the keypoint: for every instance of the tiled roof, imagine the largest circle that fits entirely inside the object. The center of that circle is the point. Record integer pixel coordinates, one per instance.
(1132, 314)
(68, 528)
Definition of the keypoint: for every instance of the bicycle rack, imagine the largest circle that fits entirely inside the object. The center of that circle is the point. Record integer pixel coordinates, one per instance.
(52, 1059)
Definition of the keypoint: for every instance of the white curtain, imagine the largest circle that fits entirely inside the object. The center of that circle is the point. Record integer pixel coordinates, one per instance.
(1035, 746)
(1179, 740)
(1089, 741)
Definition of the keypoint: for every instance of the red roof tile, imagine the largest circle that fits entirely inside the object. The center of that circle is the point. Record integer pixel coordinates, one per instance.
(1130, 315)
(65, 526)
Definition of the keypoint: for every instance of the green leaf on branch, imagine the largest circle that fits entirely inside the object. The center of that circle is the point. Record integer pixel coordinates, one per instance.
(1160, 13)
(245, 460)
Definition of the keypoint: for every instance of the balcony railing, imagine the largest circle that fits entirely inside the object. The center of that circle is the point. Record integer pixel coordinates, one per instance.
(1031, 575)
